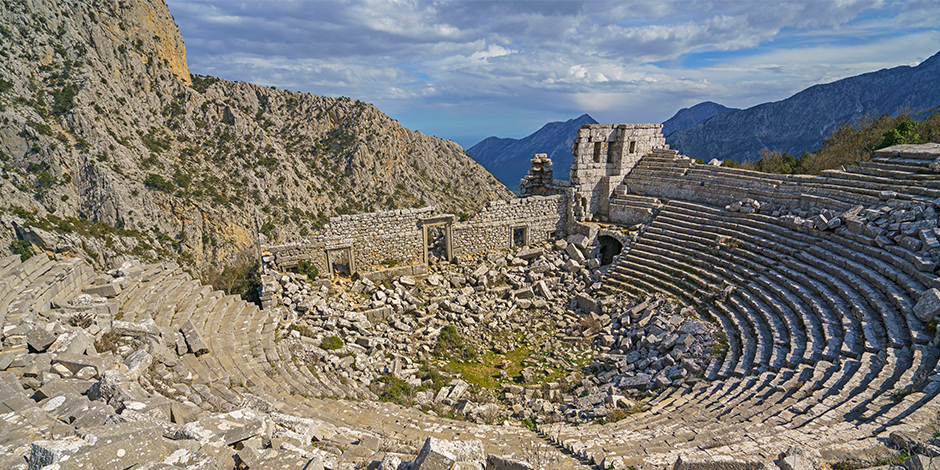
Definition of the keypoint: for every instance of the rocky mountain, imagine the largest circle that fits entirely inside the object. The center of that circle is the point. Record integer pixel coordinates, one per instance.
(800, 123)
(109, 148)
(508, 159)
(688, 117)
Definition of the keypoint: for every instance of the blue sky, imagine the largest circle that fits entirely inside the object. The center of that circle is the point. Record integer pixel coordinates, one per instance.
(465, 70)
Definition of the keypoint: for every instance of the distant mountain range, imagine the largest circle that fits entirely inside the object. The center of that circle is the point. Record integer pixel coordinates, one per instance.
(508, 159)
(688, 117)
(709, 130)
(801, 122)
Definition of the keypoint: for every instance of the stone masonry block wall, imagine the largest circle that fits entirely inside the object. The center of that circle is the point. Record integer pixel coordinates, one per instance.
(372, 238)
(491, 228)
(603, 154)
(721, 186)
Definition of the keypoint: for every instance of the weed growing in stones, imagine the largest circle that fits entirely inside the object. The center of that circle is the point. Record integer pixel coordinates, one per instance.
(332, 343)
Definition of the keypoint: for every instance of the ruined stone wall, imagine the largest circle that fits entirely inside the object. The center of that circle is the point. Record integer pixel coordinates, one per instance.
(491, 228)
(603, 154)
(372, 238)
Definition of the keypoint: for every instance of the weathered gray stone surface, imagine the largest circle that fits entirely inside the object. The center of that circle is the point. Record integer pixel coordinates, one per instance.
(928, 306)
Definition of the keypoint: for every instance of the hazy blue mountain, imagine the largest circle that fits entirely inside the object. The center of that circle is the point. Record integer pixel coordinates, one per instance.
(688, 117)
(800, 123)
(508, 159)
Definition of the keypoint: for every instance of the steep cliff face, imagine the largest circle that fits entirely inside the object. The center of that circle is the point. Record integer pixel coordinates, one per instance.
(109, 145)
(802, 122)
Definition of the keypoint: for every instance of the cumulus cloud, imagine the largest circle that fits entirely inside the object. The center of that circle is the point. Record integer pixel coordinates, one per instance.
(621, 61)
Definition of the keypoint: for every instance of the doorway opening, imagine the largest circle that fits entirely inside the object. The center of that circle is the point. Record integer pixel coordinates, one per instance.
(341, 261)
(610, 247)
(520, 237)
(437, 237)
(436, 243)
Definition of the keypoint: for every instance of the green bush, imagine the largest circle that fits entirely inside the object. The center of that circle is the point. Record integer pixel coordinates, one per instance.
(21, 247)
(156, 181)
(308, 269)
(451, 344)
(394, 390)
(242, 278)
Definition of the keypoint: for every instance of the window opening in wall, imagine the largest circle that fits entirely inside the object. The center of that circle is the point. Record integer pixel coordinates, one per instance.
(437, 244)
(632, 146)
(610, 247)
(519, 236)
(612, 156)
(597, 151)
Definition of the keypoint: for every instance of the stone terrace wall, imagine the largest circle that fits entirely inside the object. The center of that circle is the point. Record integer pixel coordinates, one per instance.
(373, 237)
(491, 228)
(717, 186)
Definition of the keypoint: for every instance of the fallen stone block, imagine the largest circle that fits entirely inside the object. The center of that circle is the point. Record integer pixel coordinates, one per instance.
(640, 381)
(115, 389)
(542, 289)
(74, 342)
(389, 462)
(500, 462)
(226, 429)
(194, 339)
(109, 290)
(928, 306)
(575, 253)
(120, 445)
(524, 293)
(586, 303)
(77, 362)
(311, 429)
(39, 339)
(439, 454)
(43, 453)
(529, 254)
(137, 363)
(136, 329)
(922, 462)
(682, 464)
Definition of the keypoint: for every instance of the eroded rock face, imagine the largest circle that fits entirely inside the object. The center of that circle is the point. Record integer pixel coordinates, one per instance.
(102, 105)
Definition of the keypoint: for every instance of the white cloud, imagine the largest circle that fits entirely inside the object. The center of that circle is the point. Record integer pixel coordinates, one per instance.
(637, 60)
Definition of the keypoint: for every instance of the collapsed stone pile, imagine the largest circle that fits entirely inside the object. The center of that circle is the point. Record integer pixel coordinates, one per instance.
(545, 301)
(911, 225)
(111, 379)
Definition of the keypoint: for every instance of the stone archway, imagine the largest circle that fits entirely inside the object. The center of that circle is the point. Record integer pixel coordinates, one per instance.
(610, 247)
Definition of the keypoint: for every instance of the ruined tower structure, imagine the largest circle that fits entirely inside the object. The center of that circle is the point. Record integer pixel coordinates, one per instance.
(603, 155)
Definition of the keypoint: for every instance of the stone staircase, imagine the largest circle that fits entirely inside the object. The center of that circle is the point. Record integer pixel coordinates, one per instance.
(823, 348)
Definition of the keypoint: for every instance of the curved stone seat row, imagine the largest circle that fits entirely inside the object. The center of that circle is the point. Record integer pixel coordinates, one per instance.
(824, 350)
(28, 287)
(246, 366)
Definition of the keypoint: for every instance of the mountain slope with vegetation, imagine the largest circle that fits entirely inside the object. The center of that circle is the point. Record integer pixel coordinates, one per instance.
(110, 149)
(802, 122)
(850, 144)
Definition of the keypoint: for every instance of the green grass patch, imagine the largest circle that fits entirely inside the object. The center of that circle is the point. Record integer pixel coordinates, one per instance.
(485, 373)
(332, 343)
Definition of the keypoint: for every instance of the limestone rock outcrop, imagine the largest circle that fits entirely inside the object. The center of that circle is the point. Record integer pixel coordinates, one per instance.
(110, 149)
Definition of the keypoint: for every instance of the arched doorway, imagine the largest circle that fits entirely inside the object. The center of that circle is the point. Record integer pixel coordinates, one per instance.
(610, 247)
